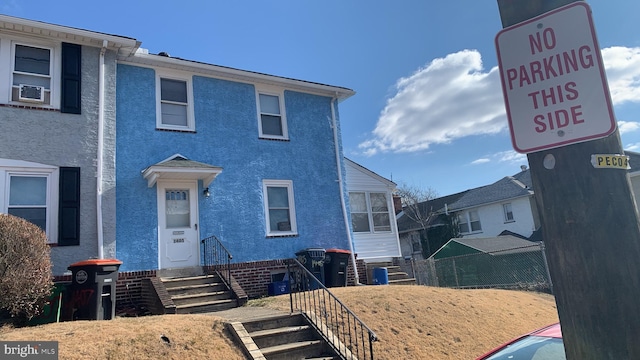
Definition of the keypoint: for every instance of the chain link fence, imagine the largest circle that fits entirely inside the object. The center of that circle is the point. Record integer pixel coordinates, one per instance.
(517, 268)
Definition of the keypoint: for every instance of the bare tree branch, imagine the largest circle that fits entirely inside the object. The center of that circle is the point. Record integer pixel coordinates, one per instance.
(415, 205)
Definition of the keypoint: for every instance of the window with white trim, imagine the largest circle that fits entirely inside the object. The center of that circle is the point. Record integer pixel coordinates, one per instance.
(48, 196)
(272, 123)
(279, 207)
(41, 73)
(369, 212)
(28, 198)
(469, 222)
(508, 212)
(31, 194)
(175, 103)
(32, 72)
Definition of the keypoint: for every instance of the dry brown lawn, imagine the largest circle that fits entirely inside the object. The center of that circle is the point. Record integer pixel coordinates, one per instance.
(411, 322)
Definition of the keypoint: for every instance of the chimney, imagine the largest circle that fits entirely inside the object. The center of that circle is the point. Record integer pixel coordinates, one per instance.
(397, 204)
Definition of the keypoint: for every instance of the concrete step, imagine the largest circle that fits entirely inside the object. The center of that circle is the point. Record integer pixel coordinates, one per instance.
(372, 265)
(282, 337)
(275, 322)
(206, 306)
(398, 276)
(297, 350)
(407, 281)
(279, 336)
(199, 294)
(186, 299)
(196, 289)
(391, 268)
(170, 283)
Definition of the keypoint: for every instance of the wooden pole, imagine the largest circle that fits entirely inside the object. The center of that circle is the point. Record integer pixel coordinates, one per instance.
(591, 233)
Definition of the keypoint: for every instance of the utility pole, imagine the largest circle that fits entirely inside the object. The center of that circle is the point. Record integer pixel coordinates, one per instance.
(591, 232)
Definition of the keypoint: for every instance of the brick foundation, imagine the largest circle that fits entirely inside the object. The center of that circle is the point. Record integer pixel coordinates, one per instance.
(129, 288)
(362, 273)
(134, 290)
(255, 277)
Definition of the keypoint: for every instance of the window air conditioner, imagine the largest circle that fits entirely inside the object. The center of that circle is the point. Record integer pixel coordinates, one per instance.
(31, 93)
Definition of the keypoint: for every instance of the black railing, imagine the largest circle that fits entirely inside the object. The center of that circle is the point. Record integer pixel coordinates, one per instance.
(216, 258)
(339, 326)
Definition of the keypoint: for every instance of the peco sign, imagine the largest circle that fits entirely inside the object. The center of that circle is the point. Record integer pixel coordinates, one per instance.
(553, 80)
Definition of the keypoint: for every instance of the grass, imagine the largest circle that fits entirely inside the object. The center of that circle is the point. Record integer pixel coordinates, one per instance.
(412, 322)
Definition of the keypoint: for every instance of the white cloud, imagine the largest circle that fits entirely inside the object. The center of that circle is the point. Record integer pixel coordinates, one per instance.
(480, 161)
(628, 126)
(509, 156)
(454, 97)
(632, 147)
(622, 65)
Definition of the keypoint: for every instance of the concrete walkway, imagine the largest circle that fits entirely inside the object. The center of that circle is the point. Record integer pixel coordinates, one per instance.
(247, 313)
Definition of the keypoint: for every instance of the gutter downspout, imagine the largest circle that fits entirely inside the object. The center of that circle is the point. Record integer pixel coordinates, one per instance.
(101, 90)
(334, 125)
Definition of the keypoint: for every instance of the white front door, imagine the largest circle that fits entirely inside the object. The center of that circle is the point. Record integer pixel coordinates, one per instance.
(178, 238)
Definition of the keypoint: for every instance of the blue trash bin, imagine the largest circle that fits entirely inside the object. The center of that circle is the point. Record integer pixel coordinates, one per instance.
(380, 276)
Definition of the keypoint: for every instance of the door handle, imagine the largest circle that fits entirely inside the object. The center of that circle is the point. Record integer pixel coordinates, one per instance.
(196, 225)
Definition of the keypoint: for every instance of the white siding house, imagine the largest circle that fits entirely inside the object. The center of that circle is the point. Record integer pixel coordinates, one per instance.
(506, 205)
(375, 232)
(514, 215)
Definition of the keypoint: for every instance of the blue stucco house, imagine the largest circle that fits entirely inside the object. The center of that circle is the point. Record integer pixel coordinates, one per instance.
(205, 150)
(154, 153)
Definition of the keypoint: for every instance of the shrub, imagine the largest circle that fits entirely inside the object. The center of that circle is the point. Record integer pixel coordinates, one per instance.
(25, 267)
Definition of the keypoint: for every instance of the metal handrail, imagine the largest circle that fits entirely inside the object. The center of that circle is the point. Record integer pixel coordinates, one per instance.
(216, 257)
(339, 326)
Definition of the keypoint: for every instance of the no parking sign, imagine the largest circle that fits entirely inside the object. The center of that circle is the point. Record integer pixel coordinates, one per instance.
(553, 80)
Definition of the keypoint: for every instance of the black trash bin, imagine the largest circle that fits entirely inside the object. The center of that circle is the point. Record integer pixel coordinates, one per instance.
(313, 260)
(335, 267)
(93, 289)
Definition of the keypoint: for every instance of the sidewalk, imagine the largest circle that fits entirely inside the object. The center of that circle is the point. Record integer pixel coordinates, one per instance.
(247, 313)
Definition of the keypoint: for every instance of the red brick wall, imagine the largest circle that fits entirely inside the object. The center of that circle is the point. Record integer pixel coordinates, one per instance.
(362, 273)
(128, 286)
(253, 277)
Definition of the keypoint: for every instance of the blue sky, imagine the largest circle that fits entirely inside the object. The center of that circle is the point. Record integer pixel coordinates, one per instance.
(428, 109)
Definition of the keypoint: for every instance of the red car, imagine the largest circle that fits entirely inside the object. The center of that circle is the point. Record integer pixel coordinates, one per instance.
(542, 344)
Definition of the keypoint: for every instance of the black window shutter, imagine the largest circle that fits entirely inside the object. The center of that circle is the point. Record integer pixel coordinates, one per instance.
(69, 210)
(71, 74)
